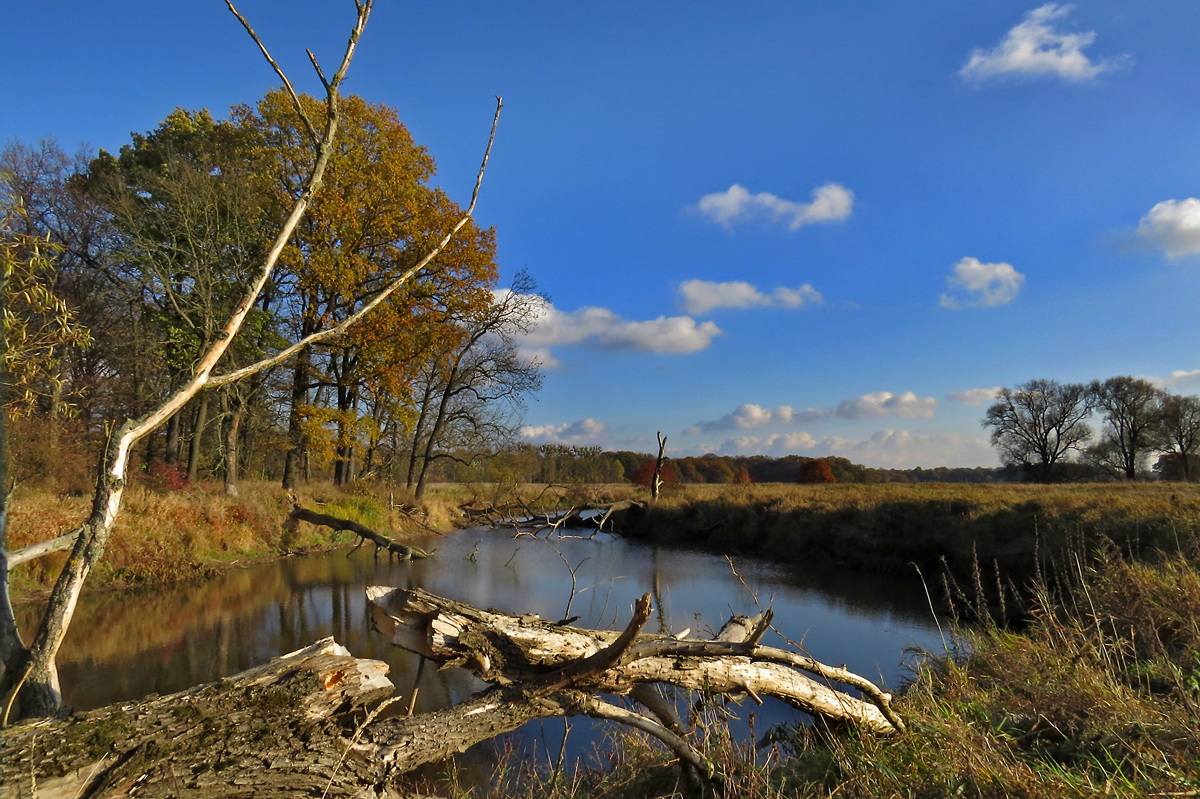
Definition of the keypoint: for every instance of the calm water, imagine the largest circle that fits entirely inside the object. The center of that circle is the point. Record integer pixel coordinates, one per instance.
(125, 646)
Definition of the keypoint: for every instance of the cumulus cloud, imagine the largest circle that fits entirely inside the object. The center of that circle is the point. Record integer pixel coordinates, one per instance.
(885, 403)
(581, 432)
(1173, 226)
(701, 296)
(774, 444)
(830, 203)
(600, 328)
(1034, 48)
(542, 356)
(888, 448)
(1180, 378)
(973, 284)
(900, 449)
(975, 396)
(751, 417)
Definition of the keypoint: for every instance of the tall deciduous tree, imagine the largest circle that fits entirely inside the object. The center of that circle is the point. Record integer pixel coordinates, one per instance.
(193, 216)
(472, 384)
(1038, 424)
(816, 471)
(1178, 433)
(1130, 408)
(371, 221)
(30, 671)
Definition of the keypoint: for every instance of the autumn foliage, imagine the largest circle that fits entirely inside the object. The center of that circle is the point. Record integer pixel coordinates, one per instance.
(645, 474)
(816, 471)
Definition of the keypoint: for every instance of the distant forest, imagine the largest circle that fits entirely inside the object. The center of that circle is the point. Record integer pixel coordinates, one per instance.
(558, 463)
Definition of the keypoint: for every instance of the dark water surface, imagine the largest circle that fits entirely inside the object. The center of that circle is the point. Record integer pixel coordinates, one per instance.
(125, 646)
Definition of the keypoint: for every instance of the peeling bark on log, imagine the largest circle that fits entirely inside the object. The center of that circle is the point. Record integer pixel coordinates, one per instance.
(298, 726)
(279, 730)
(364, 533)
(506, 650)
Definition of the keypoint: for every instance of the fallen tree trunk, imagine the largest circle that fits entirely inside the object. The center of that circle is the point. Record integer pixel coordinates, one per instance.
(300, 726)
(507, 650)
(278, 730)
(363, 532)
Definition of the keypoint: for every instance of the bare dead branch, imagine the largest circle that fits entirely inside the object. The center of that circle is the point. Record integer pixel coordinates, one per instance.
(33, 551)
(309, 128)
(591, 706)
(317, 67)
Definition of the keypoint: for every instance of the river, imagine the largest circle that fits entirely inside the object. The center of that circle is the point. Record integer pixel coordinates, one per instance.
(123, 646)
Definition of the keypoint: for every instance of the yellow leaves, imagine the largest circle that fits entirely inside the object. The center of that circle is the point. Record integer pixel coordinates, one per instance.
(38, 327)
(327, 429)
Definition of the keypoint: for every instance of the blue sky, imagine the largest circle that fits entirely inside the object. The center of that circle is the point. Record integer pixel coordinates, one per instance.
(813, 228)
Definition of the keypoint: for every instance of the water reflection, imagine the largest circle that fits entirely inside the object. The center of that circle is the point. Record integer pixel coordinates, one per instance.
(125, 646)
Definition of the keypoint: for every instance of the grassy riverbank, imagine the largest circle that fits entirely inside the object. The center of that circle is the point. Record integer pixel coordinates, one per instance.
(168, 535)
(1014, 531)
(1098, 693)
(1098, 696)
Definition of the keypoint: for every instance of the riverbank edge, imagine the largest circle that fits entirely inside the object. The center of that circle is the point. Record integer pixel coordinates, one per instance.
(1012, 533)
(170, 536)
(978, 535)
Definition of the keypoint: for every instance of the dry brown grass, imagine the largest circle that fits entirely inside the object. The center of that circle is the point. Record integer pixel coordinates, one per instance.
(168, 535)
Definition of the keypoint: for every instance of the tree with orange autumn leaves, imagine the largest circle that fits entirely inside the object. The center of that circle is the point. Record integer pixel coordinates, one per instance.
(370, 221)
(190, 205)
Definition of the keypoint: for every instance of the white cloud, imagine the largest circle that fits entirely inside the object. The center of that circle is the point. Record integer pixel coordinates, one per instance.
(1035, 48)
(751, 417)
(600, 328)
(830, 203)
(975, 397)
(701, 296)
(583, 431)
(542, 356)
(978, 285)
(898, 449)
(774, 444)
(885, 403)
(1180, 378)
(1173, 226)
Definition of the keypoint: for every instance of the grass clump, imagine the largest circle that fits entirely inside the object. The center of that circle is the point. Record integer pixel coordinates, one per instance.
(1097, 695)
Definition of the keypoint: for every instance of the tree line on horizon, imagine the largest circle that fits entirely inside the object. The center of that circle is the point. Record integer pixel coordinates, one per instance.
(1048, 430)
(123, 267)
(566, 464)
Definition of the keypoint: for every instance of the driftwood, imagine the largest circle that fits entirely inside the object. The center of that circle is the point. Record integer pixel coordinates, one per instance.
(364, 533)
(523, 650)
(301, 725)
(524, 520)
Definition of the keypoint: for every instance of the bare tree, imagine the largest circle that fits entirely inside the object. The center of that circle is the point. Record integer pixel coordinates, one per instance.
(30, 672)
(1178, 433)
(1130, 408)
(1037, 424)
(471, 386)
